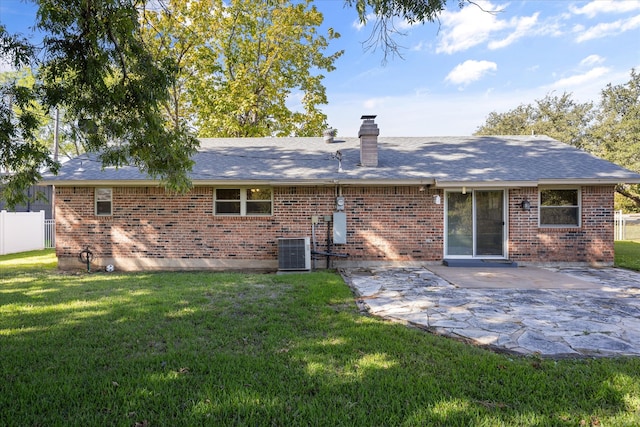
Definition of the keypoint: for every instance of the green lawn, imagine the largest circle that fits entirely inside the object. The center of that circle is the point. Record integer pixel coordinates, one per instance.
(28, 261)
(187, 349)
(628, 255)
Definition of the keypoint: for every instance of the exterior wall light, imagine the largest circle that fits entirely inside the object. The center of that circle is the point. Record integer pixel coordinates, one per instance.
(525, 205)
(436, 199)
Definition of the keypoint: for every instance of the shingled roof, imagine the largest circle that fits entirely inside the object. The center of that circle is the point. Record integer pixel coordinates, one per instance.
(440, 161)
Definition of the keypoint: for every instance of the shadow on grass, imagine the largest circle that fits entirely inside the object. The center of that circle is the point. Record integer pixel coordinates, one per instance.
(233, 349)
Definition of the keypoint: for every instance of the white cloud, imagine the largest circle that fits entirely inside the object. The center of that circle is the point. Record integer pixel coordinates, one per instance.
(605, 6)
(522, 27)
(372, 103)
(418, 47)
(580, 79)
(578, 28)
(466, 28)
(359, 25)
(399, 26)
(473, 25)
(592, 60)
(607, 29)
(470, 71)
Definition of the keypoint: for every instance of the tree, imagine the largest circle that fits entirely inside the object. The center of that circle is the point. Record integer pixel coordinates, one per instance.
(21, 153)
(97, 67)
(559, 117)
(174, 30)
(412, 11)
(24, 78)
(70, 143)
(94, 65)
(518, 121)
(616, 132)
(239, 64)
(385, 12)
(610, 130)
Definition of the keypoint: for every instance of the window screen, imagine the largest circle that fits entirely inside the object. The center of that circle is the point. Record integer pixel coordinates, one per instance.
(560, 207)
(243, 201)
(258, 201)
(103, 199)
(228, 201)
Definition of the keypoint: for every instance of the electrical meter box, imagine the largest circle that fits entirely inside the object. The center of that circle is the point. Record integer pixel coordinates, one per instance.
(339, 228)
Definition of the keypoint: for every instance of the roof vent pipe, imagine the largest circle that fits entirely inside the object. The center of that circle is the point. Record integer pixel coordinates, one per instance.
(328, 135)
(368, 135)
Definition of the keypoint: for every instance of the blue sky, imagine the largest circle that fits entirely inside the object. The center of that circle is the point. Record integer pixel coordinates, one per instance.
(472, 63)
(455, 72)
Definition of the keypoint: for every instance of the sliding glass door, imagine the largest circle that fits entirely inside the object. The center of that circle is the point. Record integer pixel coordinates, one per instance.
(475, 223)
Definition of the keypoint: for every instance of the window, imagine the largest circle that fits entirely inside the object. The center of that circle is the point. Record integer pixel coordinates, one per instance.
(243, 201)
(560, 207)
(103, 201)
(228, 201)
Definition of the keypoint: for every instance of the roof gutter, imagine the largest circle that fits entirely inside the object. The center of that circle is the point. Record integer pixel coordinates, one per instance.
(351, 181)
(484, 184)
(101, 183)
(603, 181)
(554, 182)
(358, 182)
(226, 183)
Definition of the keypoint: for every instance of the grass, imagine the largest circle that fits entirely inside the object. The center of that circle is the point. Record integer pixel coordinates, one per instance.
(33, 260)
(186, 349)
(627, 255)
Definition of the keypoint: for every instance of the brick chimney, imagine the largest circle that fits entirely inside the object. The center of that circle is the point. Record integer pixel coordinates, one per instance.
(368, 135)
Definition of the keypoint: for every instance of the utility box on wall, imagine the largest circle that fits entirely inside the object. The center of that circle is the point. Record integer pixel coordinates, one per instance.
(339, 228)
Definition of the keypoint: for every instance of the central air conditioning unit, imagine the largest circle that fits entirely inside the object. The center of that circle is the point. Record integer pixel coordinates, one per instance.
(294, 254)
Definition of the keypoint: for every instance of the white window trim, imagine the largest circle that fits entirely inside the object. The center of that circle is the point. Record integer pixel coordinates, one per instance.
(579, 206)
(95, 201)
(243, 201)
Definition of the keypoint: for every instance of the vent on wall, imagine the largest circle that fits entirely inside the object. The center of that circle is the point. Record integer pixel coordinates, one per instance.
(294, 254)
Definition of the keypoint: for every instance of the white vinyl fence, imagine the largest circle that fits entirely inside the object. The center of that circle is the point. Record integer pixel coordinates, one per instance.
(21, 231)
(627, 226)
(50, 233)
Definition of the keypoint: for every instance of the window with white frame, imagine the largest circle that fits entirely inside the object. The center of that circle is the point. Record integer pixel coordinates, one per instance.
(103, 201)
(560, 207)
(243, 201)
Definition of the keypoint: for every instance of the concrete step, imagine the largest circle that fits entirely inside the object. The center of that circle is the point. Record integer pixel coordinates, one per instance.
(478, 263)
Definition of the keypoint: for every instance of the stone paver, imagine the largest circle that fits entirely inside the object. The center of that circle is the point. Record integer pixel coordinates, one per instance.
(602, 319)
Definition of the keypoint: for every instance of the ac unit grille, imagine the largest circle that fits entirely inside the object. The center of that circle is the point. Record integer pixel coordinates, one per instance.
(294, 254)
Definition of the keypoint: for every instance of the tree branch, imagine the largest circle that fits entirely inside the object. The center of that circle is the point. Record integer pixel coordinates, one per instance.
(412, 11)
(621, 189)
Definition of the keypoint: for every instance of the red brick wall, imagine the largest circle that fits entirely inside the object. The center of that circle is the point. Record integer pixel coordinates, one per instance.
(383, 224)
(386, 223)
(393, 224)
(591, 243)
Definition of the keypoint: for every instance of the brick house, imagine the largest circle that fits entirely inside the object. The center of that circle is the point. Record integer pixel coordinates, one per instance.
(371, 199)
